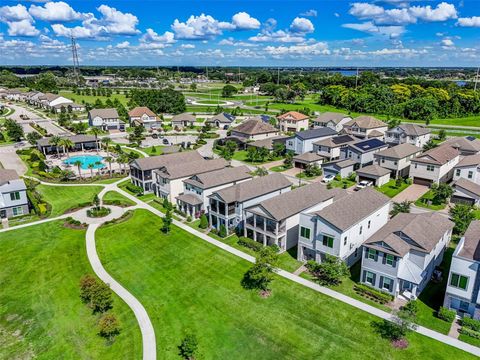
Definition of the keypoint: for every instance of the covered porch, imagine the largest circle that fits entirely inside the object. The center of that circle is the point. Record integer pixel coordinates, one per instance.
(190, 204)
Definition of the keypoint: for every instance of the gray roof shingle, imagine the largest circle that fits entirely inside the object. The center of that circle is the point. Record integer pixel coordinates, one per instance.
(254, 127)
(219, 177)
(110, 113)
(471, 245)
(351, 209)
(399, 151)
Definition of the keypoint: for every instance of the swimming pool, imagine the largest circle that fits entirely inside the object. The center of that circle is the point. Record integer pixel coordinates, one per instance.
(86, 160)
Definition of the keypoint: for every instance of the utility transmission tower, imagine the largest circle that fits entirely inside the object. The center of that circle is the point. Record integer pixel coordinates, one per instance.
(76, 64)
(476, 79)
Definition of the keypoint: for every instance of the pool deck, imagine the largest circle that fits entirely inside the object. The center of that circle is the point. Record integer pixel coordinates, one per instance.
(53, 160)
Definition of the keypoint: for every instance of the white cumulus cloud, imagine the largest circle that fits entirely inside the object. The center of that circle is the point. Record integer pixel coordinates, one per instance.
(473, 21)
(302, 25)
(243, 21)
(55, 12)
(202, 27)
(22, 28)
(151, 36)
(311, 13)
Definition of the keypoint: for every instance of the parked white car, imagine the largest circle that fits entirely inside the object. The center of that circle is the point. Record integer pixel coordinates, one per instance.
(363, 184)
(328, 178)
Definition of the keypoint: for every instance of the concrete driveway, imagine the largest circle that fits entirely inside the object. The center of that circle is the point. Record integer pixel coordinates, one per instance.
(10, 160)
(412, 193)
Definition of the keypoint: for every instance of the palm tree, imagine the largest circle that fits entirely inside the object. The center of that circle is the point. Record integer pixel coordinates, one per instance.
(109, 160)
(78, 164)
(91, 166)
(402, 207)
(67, 144)
(96, 131)
(99, 166)
(107, 141)
(55, 141)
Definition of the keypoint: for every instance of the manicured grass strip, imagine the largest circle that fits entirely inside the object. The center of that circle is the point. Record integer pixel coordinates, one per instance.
(113, 197)
(41, 314)
(188, 285)
(63, 198)
(428, 196)
(390, 189)
(279, 168)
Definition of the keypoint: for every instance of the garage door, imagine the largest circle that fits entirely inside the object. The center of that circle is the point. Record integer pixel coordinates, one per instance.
(462, 200)
(329, 172)
(361, 178)
(421, 181)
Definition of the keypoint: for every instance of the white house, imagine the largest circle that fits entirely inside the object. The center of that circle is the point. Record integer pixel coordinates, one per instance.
(362, 152)
(434, 166)
(198, 187)
(332, 120)
(13, 195)
(468, 145)
(183, 120)
(397, 158)
(143, 116)
(342, 227)
(342, 167)
(275, 221)
(330, 148)
(468, 168)
(366, 127)
(463, 293)
(293, 121)
(226, 206)
(408, 134)
(375, 173)
(466, 192)
(302, 141)
(223, 120)
(400, 257)
(106, 119)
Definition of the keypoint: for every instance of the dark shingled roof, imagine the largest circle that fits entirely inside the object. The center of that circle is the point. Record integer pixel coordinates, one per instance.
(254, 127)
(471, 245)
(254, 188)
(439, 155)
(295, 201)
(219, 177)
(351, 209)
(468, 185)
(315, 133)
(424, 231)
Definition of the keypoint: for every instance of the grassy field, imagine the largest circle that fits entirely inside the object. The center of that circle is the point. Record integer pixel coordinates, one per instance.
(41, 314)
(188, 285)
(112, 197)
(241, 155)
(63, 198)
(91, 99)
(390, 189)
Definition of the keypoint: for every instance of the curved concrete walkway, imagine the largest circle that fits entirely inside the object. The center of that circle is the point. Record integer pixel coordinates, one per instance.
(146, 327)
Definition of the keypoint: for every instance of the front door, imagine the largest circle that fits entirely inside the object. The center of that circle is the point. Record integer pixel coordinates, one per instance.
(406, 285)
(3, 214)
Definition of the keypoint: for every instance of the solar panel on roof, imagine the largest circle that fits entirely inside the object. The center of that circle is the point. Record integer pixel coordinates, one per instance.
(368, 144)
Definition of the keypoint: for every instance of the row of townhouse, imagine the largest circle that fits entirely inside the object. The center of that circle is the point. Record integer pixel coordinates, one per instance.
(48, 101)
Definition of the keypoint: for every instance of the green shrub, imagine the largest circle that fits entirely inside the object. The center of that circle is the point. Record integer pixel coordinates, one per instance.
(470, 332)
(446, 314)
(249, 243)
(189, 218)
(471, 324)
(138, 190)
(222, 231)
(108, 326)
(203, 222)
(189, 347)
(374, 294)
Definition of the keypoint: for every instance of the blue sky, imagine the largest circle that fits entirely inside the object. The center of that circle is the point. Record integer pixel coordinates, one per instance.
(246, 33)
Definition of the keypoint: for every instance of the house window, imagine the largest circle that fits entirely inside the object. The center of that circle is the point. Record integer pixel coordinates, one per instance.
(361, 229)
(17, 211)
(15, 196)
(370, 277)
(430, 168)
(387, 284)
(470, 174)
(369, 222)
(395, 163)
(345, 240)
(459, 281)
(458, 172)
(305, 232)
(415, 166)
(389, 259)
(383, 159)
(372, 254)
(327, 241)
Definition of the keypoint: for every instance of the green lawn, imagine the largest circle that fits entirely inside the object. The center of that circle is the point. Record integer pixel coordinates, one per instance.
(341, 183)
(302, 175)
(91, 99)
(390, 189)
(288, 260)
(63, 198)
(146, 197)
(115, 198)
(241, 155)
(423, 202)
(188, 285)
(280, 168)
(41, 314)
(153, 150)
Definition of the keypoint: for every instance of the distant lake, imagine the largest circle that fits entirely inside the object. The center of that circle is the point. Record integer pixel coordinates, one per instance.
(344, 72)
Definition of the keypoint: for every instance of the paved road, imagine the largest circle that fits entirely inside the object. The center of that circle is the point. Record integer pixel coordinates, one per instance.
(10, 160)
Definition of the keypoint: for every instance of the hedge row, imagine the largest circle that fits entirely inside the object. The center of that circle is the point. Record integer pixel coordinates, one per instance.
(249, 243)
(374, 294)
(470, 332)
(471, 324)
(446, 314)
